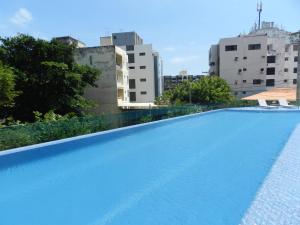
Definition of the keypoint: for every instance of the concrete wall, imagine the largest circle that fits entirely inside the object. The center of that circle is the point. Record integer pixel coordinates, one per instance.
(103, 58)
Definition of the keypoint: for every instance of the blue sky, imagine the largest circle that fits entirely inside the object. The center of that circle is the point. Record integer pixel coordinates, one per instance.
(182, 31)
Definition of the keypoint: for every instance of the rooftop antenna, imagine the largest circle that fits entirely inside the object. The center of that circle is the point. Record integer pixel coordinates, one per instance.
(259, 10)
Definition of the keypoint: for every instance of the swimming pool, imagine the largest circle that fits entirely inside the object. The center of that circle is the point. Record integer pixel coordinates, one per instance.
(201, 169)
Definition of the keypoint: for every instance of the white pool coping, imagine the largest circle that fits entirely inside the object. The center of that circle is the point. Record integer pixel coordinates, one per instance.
(278, 200)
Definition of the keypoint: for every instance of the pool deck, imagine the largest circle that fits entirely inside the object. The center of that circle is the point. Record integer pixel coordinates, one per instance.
(278, 200)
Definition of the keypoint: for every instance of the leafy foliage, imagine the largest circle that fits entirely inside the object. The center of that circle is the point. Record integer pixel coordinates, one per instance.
(46, 76)
(208, 90)
(7, 88)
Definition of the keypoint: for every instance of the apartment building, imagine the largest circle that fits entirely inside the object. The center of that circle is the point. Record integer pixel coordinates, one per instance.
(143, 66)
(169, 81)
(113, 85)
(263, 59)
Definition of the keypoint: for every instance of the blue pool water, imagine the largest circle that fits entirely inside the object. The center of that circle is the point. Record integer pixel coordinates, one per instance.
(203, 169)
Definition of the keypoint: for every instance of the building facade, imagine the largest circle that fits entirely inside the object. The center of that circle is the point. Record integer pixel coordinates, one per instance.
(263, 59)
(70, 41)
(113, 85)
(169, 82)
(143, 66)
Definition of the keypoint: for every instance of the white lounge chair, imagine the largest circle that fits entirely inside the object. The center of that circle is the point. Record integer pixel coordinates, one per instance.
(284, 103)
(263, 103)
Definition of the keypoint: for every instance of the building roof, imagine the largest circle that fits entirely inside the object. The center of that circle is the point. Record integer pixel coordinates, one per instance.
(275, 94)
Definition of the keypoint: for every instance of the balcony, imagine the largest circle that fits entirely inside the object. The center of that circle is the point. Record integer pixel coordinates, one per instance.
(120, 79)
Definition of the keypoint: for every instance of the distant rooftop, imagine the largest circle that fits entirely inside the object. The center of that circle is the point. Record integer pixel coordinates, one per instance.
(70, 40)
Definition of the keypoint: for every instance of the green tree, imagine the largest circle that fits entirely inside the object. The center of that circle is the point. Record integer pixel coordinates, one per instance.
(47, 76)
(7, 89)
(208, 90)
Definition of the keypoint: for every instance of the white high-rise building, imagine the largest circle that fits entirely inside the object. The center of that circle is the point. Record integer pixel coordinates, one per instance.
(143, 65)
(263, 59)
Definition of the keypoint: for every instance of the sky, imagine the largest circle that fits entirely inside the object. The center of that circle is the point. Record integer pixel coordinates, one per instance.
(180, 30)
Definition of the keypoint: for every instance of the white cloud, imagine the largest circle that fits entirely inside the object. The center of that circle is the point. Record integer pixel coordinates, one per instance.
(21, 17)
(169, 49)
(182, 59)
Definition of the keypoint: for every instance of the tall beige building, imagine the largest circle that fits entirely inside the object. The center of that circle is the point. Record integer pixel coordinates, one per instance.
(263, 59)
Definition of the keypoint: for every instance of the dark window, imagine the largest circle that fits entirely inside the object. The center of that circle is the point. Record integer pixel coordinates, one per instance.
(270, 82)
(130, 58)
(286, 70)
(295, 70)
(240, 70)
(245, 57)
(271, 71)
(142, 67)
(114, 37)
(271, 59)
(236, 93)
(244, 92)
(212, 63)
(262, 69)
(91, 60)
(294, 81)
(254, 46)
(129, 47)
(296, 59)
(131, 67)
(286, 58)
(257, 81)
(143, 92)
(131, 83)
(295, 47)
(285, 81)
(244, 81)
(230, 48)
(244, 69)
(142, 53)
(236, 58)
(132, 96)
(143, 79)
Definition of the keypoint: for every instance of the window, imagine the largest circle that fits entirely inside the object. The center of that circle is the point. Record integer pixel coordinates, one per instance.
(245, 57)
(91, 60)
(236, 93)
(285, 81)
(143, 92)
(256, 81)
(236, 82)
(142, 67)
(270, 47)
(270, 82)
(244, 81)
(296, 59)
(295, 47)
(262, 70)
(142, 54)
(130, 58)
(212, 64)
(132, 96)
(244, 69)
(129, 47)
(294, 81)
(271, 71)
(114, 37)
(254, 46)
(143, 80)
(230, 48)
(286, 70)
(239, 71)
(244, 92)
(286, 59)
(271, 59)
(236, 58)
(295, 70)
(287, 47)
(131, 83)
(131, 67)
